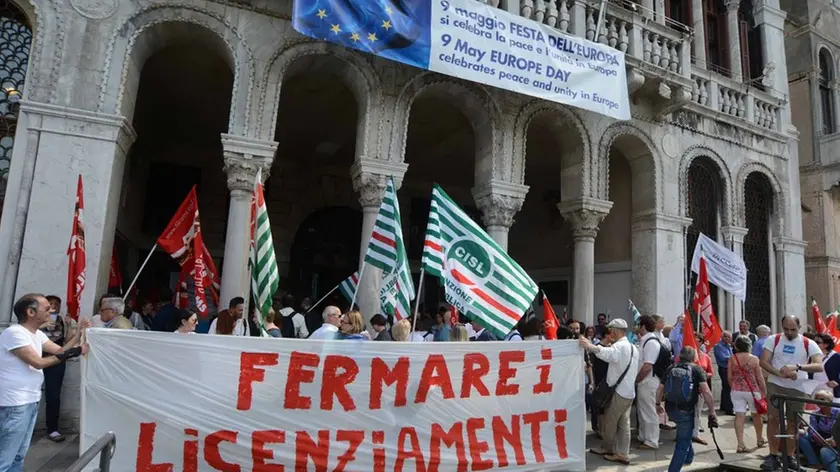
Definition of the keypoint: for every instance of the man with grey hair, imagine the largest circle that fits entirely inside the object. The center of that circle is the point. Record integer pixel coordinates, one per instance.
(329, 330)
(762, 333)
(111, 311)
(684, 383)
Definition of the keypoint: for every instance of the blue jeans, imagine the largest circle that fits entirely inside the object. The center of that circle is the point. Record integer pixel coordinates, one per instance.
(828, 458)
(16, 426)
(684, 450)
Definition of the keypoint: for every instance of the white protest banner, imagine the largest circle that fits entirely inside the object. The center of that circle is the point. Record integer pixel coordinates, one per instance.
(206, 402)
(725, 268)
(478, 42)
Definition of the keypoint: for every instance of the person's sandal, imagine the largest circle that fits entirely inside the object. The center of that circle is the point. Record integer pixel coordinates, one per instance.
(761, 443)
(741, 450)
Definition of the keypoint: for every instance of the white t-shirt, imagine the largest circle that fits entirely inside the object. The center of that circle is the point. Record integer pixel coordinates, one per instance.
(21, 384)
(650, 352)
(240, 328)
(790, 353)
(326, 331)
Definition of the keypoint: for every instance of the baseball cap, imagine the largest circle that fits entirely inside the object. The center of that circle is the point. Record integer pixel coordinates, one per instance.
(617, 323)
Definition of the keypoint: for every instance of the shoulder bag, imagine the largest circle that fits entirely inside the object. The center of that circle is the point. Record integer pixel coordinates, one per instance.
(604, 392)
(760, 403)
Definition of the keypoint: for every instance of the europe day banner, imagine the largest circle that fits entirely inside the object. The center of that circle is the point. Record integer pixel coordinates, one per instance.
(204, 402)
(477, 42)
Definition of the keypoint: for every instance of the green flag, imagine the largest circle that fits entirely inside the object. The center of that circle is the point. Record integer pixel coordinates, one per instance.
(481, 280)
(264, 273)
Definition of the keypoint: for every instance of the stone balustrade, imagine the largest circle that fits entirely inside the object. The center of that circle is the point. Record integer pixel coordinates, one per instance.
(658, 51)
(735, 99)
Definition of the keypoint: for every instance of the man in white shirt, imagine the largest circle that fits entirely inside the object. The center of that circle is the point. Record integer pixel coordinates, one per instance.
(623, 359)
(289, 314)
(21, 370)
(788, 359)
(332, 319)
(647, 384)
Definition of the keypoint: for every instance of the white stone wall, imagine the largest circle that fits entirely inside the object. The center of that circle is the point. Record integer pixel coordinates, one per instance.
(85, 72)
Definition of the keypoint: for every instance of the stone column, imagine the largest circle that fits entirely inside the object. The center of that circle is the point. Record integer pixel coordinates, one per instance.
(659, 264)
(243, 158)
(790, 278)
(584, 214)
(734, 38)
(698, 18)
(499, 201)
(771, 22)
(370, 178)
(53, 145)
(733, 239)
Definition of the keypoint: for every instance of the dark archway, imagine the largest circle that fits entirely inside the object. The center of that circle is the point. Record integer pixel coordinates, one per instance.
(325, 251)
(705, 191)
(758, 203)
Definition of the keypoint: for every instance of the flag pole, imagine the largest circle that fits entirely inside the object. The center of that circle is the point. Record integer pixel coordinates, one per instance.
(358, 286)
(139, 271)
(325, 297)
(417, 300)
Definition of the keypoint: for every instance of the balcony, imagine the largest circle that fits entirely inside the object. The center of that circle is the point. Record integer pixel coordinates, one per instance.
(658, 55)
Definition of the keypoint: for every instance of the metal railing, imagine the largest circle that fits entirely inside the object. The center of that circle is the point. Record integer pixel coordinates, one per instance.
(109, 441)
(779, 402)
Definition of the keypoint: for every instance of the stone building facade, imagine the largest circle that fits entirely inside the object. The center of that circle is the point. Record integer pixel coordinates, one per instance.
(813, 51)
(146, 98)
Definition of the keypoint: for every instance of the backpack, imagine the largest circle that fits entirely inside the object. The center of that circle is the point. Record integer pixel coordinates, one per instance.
(287, 326)
(779, 337)
(663, 361)
(679, 387)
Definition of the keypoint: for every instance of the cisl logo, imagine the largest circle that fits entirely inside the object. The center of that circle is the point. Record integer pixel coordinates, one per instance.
(468, 262)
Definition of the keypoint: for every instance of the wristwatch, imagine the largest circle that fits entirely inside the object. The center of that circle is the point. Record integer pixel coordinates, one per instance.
(798, 367)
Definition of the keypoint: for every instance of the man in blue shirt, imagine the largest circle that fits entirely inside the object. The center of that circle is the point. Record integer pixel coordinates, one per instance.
(763, 333)
(723, 351)
(676, 336)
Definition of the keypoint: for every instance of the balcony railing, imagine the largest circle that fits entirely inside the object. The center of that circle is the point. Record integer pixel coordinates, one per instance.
(658, 48)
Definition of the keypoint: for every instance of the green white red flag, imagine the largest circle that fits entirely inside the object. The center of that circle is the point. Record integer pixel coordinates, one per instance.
(480, 279)
(386, 251)
(348, 287)
(265, 276)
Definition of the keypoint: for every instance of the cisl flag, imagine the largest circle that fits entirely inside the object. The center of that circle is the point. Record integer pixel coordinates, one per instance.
(481, 280)
(702, 305)
(76, 256)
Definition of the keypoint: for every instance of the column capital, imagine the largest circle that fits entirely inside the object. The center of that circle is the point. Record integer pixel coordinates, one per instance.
(795, 246)
(734, 233)
(585, 214)
(370, 178)
(499, 201)
(732, 5)
(243, 157)
(768, 15)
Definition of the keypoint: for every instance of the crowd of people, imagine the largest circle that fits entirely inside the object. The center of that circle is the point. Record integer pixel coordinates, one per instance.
(656, 373)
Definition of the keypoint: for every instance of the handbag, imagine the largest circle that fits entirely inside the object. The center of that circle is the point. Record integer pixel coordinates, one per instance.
(604, 392)
(760, 403)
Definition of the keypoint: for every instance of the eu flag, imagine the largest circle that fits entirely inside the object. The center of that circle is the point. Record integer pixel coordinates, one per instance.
(396, 29)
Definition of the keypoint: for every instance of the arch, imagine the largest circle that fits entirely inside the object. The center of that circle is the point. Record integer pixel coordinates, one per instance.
(645, 163)
(473, 100)
(513, 169)
(351, 67)
(132, 43)
(825, 66)
(779, 196)
(41, 18)
(723, 173)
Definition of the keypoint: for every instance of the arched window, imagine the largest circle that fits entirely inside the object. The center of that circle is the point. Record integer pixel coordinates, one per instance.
(15, 41)
(704, 201)
(758, 202)
(826, 100)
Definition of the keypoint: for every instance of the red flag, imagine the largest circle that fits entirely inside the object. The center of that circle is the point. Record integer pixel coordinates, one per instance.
(183, 241)
(182, 297)
(831, 329)
(702, 305)
(115, 276)
(688, 332)
(76, 257)
(453, 316)
(819, 324)
(550, 323)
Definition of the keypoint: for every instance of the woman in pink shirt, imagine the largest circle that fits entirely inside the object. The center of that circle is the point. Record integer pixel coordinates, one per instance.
(747, 386)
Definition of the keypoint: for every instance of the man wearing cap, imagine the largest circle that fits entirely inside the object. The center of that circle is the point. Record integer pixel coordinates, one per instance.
(623, 360)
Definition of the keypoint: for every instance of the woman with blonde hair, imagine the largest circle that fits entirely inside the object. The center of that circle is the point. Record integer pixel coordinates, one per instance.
(400, 331)
(352, 326)
(459, 333)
